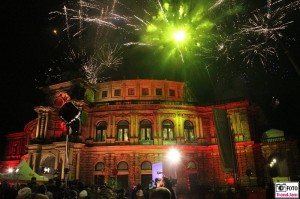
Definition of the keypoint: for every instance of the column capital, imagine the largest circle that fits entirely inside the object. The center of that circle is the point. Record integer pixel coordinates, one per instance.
(43, 109)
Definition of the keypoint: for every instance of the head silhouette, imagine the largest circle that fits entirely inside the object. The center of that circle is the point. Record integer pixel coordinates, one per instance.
(160, 193)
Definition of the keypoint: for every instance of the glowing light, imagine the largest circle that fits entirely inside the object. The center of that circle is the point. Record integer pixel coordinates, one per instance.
(273, 162)
(179, 36)
(173, 155)
(46, 170)
(10, 170)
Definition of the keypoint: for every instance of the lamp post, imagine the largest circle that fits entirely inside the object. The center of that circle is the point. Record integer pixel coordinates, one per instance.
(71, 116)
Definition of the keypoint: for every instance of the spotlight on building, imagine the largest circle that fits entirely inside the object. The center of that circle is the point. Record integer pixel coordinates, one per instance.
(71, 116)
(69, 112)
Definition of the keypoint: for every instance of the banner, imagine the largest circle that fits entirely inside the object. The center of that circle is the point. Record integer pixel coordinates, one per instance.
(225, 140)
(157, 172)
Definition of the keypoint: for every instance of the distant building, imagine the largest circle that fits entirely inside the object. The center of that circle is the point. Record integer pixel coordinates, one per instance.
(126, 126)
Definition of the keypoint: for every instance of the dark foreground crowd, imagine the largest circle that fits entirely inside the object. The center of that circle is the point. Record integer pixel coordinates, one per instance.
(76, 189)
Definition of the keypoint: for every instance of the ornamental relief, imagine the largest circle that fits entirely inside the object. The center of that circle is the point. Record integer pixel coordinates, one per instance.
(145, 118)
(168, 115)
(145, 114)
(122, 115)
(188, 116)
(101, 116)
(121, 158)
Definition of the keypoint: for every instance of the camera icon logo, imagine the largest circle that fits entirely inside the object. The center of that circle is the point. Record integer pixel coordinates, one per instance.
(281, 187)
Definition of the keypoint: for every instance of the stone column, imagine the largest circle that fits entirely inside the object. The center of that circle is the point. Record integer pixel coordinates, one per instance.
(43, 118)
(199, 127)
(154, 125)
(109, 127)
(77, 166)
(37, 133)
(113, 126)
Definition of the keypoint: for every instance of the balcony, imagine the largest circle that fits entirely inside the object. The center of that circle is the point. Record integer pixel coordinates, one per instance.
(146, 142)
(169, 142)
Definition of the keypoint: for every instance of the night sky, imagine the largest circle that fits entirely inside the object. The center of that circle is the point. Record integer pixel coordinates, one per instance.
(30, 48)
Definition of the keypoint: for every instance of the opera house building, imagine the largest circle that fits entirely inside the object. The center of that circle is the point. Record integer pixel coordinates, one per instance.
(122, 132)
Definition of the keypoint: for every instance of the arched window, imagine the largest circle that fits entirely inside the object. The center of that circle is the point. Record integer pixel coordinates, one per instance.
(123, 131)
(99, 166)
(146, 166)
(145, 130)
(189, 131)
(101, 132)
(122, 166)
(168, 130)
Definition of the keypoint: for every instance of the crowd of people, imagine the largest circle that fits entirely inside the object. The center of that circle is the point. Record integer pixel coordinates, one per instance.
(57, 189)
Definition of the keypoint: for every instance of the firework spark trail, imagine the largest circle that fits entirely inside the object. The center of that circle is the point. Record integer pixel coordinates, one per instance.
(141, 20)
(101, 22)
(67, 22)
(224, 44)
(218, 3)
(111, 56)
(262, 50)
(180, 53)
(272, 20)
(266, 24)
(205, 41)
(79, 13)
(107, 57)
(269, 3)
(91, 69)
(137, 43)
(162, 10)
(107, 14)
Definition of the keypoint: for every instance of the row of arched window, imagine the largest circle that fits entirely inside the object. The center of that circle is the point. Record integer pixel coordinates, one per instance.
(145, 131)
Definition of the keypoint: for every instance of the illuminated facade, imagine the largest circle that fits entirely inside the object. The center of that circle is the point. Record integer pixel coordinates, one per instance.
(131, 124)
